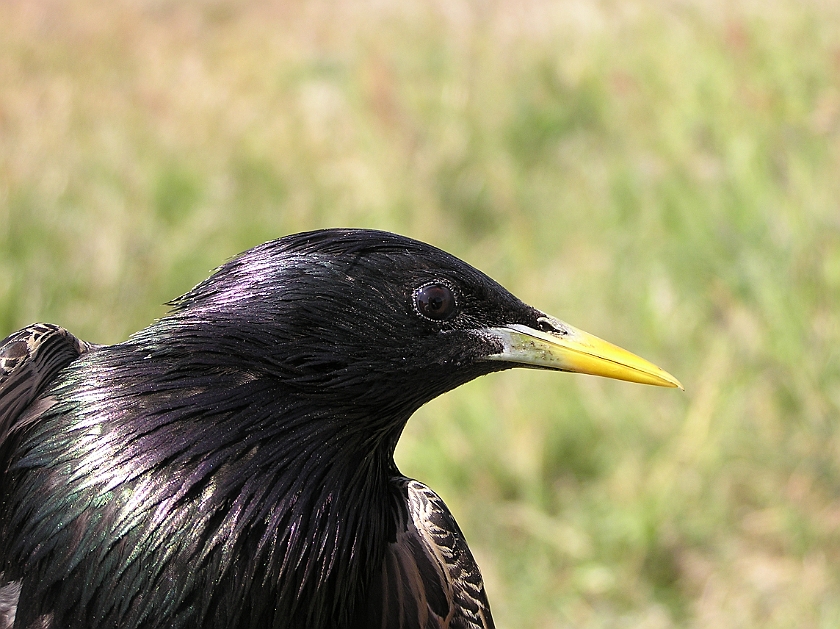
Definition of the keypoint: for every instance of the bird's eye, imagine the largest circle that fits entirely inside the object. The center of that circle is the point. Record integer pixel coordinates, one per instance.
(435, 301)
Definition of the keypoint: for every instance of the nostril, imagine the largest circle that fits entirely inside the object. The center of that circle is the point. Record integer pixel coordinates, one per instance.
(546, 324)
(552, 325)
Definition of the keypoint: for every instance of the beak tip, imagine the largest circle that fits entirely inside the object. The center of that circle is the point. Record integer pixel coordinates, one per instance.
(676, 384)
(670, 381)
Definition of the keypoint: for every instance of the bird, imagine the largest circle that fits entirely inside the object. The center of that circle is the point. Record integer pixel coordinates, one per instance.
(232, 464)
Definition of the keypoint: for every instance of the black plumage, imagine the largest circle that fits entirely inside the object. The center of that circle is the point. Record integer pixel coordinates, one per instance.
(232, 465)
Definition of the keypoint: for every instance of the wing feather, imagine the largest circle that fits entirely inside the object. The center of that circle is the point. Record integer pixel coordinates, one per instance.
(429, 579)
(30, 359)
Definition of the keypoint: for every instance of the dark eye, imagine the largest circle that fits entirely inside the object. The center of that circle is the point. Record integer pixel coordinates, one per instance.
(435, 301)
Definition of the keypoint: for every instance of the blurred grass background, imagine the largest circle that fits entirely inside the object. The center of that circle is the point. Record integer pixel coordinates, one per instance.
(665, 174)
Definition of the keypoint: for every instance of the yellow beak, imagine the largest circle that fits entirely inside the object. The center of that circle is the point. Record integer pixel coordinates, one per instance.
(565, 348)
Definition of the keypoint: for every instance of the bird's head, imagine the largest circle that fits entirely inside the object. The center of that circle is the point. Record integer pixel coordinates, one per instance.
(367, 319)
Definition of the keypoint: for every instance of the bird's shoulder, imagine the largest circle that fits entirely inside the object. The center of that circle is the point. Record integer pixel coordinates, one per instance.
(30, 359)
(428, 579)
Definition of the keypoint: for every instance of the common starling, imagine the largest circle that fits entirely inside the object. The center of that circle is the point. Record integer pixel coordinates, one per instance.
(231, 465)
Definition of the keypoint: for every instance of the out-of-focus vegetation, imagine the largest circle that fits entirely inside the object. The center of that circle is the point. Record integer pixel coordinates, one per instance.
(665, 174)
